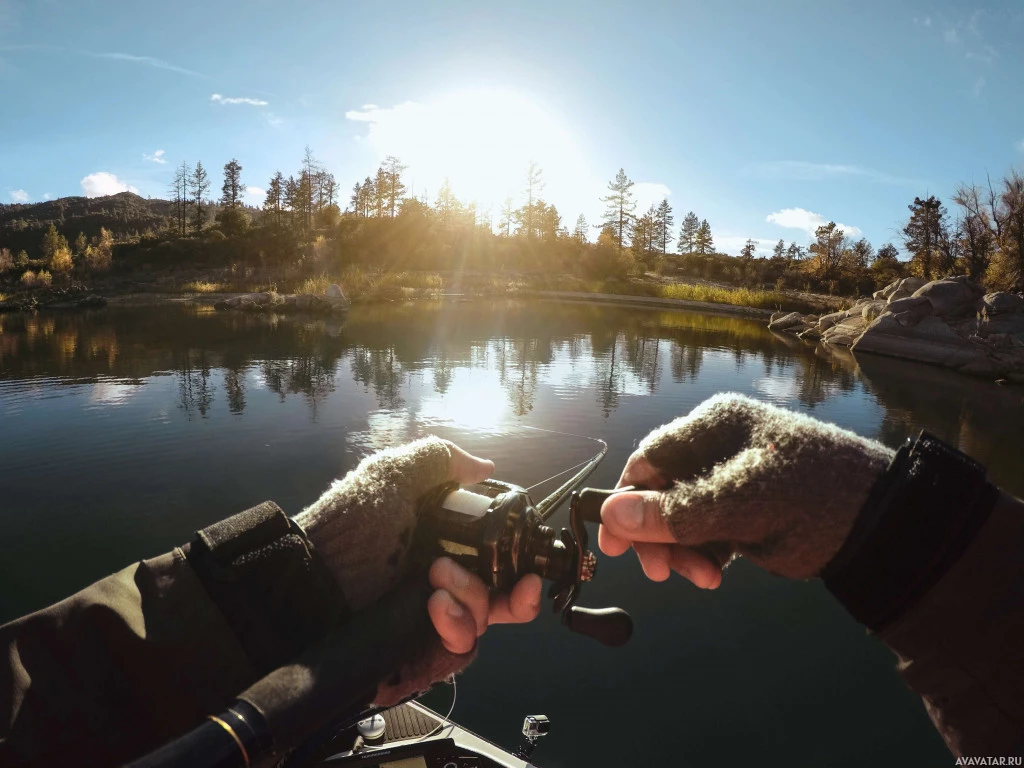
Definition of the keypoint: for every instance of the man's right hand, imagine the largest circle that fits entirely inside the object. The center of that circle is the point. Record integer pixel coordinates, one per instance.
(740, 477)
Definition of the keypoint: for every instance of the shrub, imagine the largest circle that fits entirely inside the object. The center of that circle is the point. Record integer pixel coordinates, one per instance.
(28, 278)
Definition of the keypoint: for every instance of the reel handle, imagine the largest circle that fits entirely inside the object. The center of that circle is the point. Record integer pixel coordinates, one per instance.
(591, 499)
(611, 626)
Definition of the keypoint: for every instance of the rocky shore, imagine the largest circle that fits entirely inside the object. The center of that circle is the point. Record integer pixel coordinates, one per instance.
(333, 302)
(72, 297)
(950, 322)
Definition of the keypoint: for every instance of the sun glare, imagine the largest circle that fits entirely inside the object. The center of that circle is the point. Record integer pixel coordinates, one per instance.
(481, 140)
(471, 401)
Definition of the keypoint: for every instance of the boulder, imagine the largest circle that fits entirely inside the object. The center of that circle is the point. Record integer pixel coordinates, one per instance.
(1002, 302)
(845, 332)
(827, 321)
(786, 322)
(930, 340)
(869, 310)
(334, 292)
(911, 283)
(952, 296)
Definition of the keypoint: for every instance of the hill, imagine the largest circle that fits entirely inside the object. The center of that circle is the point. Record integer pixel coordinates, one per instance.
(125, 214)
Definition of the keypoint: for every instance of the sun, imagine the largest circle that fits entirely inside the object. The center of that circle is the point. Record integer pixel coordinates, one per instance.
(481, 139)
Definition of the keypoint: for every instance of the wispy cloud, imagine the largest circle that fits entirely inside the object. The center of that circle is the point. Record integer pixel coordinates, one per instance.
(103, 183)
(979, 86)
(219, 99)
(648, 193)
(733, 244)
(951, 36)
(156, 157)
(923, 21)
(148, 61)
(255, 195)
(808, 221)
(796, 170)
(1019, 145)
(19, 196)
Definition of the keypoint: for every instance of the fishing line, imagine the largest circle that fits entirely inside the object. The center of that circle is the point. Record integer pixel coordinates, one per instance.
(563, 472)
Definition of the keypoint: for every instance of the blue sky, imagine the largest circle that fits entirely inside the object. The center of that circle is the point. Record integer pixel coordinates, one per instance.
(763, 118)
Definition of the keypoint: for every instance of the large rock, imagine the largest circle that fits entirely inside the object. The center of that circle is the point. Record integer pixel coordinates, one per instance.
(951, 296)
(1002, 302)
(786, 322)
(869, 310)
(827, 321)
(845, 332)
(928, 341)
(334, 292)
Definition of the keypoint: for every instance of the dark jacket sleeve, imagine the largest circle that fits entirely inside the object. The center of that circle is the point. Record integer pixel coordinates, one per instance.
(116, 669)
(146, 654)
(934, 566)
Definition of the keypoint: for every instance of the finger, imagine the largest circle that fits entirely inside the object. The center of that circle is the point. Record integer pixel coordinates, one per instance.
(468, 589)
(520, 605)
(611, 544)
(638, 471)
(693, 565)
(636, 516)
(455, 625)
(465, 468)
(655, 559)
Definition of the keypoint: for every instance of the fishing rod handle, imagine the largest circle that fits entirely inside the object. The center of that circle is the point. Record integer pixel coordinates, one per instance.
(591, 499)
(235, 738)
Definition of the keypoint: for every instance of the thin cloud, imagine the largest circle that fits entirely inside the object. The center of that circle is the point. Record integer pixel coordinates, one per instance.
(149, 61)
(19, 196)
(1019, 145)
(156, 157)
(103, 183)
(795, 170)
(925, 21)
(219, 99)
(255, 195)
(951, 36)
(733, 244)
(807, 221)
(648, 193)
(979, 86)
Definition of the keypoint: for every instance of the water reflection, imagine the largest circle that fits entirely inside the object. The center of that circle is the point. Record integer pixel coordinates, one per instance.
(159, 420)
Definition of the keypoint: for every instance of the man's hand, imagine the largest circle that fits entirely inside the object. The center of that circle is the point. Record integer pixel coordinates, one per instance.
(740, 477)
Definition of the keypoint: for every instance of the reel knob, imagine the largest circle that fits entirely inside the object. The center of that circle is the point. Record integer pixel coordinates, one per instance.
(610, 626)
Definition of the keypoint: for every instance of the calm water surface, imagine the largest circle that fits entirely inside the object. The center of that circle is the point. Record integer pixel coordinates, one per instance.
(124, 430)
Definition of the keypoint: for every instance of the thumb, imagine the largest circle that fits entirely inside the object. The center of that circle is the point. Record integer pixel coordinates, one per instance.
(632, 516)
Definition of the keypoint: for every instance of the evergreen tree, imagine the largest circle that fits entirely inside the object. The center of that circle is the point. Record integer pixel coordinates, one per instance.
(688, 233)
(664, 221)
(779, 251)
(393, 186)
(619, 206)
(231, 191)
(580, 233)
(199, 187)
(534, 186)
(828, 249)
(447, 205)
(924, 233)
(356, 199)
(380, 193)
(368, 197)
(53, 242)
(180, 197)
(794, 253)
(749, 250)
(702, 241)
(81, 243)
(273, 205)
(508, 215)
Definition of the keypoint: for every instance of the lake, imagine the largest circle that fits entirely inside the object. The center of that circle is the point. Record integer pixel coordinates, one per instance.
(124, 430)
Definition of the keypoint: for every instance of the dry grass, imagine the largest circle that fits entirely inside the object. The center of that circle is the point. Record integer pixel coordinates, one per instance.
(360, 283)
(203, 286)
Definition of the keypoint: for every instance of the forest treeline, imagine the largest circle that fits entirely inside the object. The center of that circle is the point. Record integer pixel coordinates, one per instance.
(307, 226)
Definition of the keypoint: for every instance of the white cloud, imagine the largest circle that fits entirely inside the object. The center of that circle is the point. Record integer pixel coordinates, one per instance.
(219, 99)
(1019, 145)
(149, 61)
(733, 244)
(255, 195)
(156, 157)
(798, 218)
(798, 170)
(19, 196)
(103, 183)
(979, 86)
(951, 36)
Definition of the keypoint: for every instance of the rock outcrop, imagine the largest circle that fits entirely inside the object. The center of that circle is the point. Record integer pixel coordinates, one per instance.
(333, 302)
(949, 322)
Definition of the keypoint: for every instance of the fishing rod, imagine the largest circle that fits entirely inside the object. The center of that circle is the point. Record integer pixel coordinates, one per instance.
(495, 530)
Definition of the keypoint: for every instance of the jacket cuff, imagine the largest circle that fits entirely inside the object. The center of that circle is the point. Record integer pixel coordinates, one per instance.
(919, 518)
(263, 574)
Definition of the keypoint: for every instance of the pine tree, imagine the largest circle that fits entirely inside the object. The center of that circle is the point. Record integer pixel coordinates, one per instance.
(534, 186)
(81, 243)
(779, 251)
(663, 223)
(179, 196)
(580, 233)
(924, 233)
(53, 242)
(394, 188)
(703, 242)
(274, 202)
(619, 206)
(380, 193)
(368, 194)
(199, 186)
(447, 205)
(231, 191)
(688, 233)
(507, 217)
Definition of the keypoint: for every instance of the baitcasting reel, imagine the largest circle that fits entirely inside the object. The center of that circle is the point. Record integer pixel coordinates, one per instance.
(494, 530)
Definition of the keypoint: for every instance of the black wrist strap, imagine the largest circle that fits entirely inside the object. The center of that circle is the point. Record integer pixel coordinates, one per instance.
(273, 590)
(917, 521)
